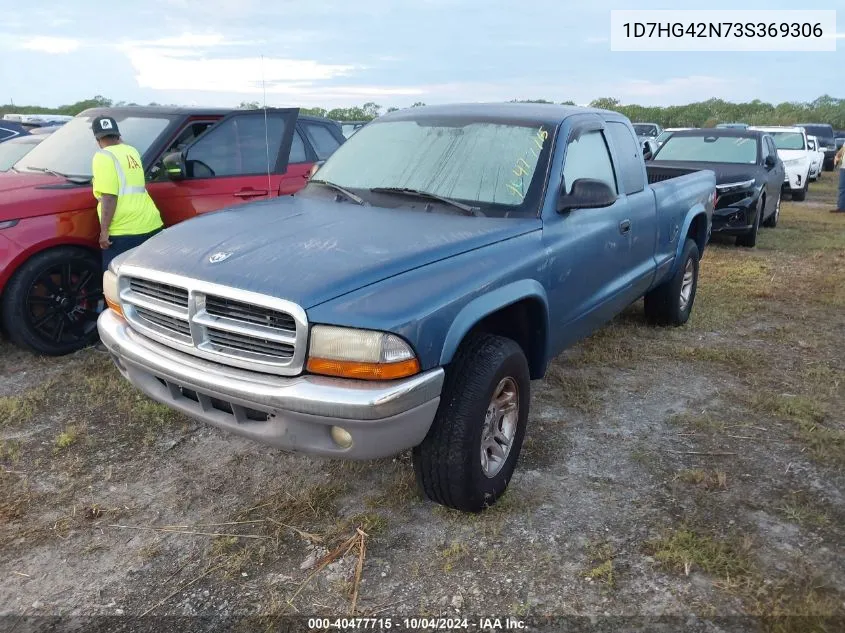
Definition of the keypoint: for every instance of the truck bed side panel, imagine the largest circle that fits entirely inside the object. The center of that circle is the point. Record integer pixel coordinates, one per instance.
(679, 200)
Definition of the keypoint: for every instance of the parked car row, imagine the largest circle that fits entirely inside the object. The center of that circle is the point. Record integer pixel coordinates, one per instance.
(804, 154)
(197, 161)
(750, 175)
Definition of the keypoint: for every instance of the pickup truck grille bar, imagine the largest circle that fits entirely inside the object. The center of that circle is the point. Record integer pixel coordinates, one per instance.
(226, 325)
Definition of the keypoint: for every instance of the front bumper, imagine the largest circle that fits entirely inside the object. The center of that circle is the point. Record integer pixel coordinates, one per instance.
(733, 220)
(297, 414)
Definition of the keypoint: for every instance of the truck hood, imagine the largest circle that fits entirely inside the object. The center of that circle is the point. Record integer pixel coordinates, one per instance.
(310, 251)
(725, 172)
(790, 154)
(27, 195)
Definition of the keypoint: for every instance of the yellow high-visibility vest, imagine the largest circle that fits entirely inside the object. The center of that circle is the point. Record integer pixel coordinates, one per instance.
(118, 171)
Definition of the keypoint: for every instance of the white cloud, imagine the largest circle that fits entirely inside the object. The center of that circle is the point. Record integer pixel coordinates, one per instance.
(53, 45)
(194, 62)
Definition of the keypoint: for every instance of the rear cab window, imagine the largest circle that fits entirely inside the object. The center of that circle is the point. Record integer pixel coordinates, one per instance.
(629, 162)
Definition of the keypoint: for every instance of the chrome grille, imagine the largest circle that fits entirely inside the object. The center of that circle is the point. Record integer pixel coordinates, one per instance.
(164, 321)
(234, 327)
(162, 292)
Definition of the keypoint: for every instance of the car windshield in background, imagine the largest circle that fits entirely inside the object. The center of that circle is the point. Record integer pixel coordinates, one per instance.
(645, 130)
(788, 140)
(822, 131)
(70, 149)
(498, 166)
(12, 151)
(710, 149)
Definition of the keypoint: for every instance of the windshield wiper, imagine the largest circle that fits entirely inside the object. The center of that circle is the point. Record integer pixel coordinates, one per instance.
(473, 211)
(71, 177)
(348, 194)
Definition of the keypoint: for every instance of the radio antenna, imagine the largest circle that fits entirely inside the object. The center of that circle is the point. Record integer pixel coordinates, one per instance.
(266, 132)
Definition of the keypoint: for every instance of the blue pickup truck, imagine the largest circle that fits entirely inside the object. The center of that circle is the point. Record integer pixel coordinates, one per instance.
(406, 297)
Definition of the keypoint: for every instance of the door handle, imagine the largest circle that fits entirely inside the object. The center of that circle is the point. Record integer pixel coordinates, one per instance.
(250, 193)
(625, 227)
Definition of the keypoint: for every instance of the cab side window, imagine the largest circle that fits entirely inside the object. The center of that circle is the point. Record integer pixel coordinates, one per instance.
(321, 139)
(588, 157)
(297, 149)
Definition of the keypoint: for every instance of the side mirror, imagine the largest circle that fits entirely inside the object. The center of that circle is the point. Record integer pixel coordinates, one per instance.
(770, 161)
(174, 166)
(587, 193)
(649, 149)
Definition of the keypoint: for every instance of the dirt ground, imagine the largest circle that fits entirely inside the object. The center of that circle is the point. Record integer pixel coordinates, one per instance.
(693, 472)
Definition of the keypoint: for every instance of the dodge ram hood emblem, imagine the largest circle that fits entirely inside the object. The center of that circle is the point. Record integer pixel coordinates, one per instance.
(219, 257)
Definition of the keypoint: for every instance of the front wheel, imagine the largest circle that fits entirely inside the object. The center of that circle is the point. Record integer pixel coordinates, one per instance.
(52, 303)
(749, 240)
(671, 302)
(772, 221)
(469, 455)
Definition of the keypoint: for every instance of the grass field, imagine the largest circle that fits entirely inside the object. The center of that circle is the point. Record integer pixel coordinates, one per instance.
(665, 471)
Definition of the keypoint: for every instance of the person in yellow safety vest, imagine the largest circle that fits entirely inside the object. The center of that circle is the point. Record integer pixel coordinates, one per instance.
(128, 216)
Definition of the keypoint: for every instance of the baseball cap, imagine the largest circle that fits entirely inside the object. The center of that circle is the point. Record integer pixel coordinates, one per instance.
(104, 126)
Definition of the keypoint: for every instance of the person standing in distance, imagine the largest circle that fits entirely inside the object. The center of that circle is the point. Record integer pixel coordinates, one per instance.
(839, 165)
(128, 216)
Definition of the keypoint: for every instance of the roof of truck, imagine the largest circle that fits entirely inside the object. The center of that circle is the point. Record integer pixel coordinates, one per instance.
(527, 112)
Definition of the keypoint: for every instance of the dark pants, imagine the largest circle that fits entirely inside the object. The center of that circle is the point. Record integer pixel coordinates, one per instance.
(841, 200)
(121, 244)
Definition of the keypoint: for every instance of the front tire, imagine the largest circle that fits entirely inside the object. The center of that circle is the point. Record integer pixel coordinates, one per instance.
(52, 302)
(671, 302)
(470, 453)
(772, 221)
(749, 240)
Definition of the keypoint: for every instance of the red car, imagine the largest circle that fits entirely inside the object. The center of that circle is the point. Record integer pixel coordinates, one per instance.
(197, 160)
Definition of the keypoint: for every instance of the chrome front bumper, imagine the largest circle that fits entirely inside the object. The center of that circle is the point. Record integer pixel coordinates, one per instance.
(297, 414)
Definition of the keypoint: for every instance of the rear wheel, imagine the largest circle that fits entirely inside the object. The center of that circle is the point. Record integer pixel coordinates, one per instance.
(467, 459)
(52, 303)
(671, 302)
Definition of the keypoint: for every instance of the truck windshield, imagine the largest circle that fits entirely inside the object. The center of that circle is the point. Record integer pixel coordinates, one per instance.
(645, 130)
(710, 149)
(498, 166)
(822, 131)
(70, 149)
(788, 140)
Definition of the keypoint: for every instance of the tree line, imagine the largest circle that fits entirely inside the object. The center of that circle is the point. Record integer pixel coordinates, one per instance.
(825, 109)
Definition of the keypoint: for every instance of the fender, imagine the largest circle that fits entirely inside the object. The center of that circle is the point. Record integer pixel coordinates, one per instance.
(697, 210)
(487, 304)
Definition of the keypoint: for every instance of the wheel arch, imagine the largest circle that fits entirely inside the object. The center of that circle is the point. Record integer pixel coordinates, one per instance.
(25, 255)
(518, 311)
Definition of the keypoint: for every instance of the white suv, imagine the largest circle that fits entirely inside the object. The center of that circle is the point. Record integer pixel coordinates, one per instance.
(791, 143)
(816, 157)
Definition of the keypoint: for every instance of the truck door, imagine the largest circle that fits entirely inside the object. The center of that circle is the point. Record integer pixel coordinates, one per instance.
(244, 157)
(588, 248)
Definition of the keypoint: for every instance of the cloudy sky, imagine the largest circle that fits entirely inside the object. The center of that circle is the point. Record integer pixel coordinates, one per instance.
(394, 52)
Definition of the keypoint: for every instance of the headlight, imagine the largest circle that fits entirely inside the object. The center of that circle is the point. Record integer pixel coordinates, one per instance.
(364, 354)
(110, 291)
(735, 186)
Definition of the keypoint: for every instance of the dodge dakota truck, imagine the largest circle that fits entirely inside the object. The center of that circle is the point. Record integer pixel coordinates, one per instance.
(196, 160)
(406, 297)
